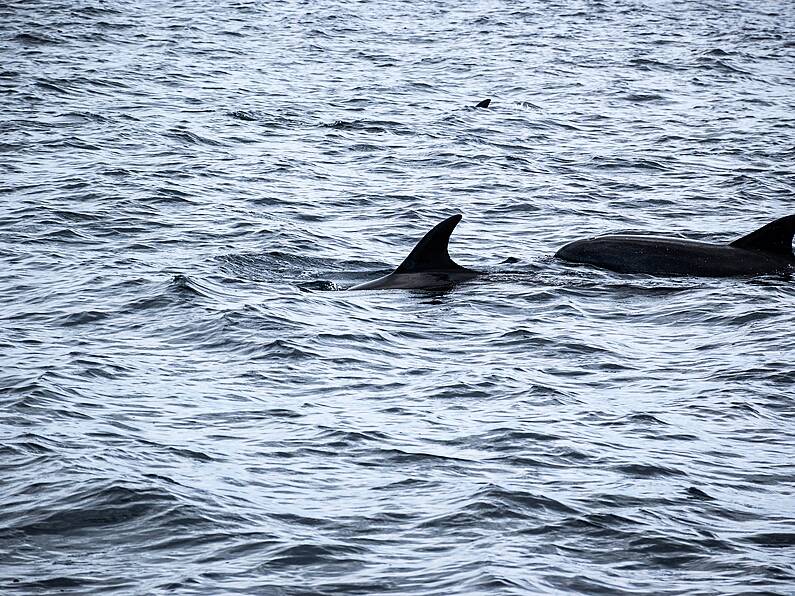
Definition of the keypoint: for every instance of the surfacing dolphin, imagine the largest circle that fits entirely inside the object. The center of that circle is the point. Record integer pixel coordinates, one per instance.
(428, 266)
(766, 251)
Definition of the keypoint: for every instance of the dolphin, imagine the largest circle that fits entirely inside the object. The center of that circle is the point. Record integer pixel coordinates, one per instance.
(766, 251)
(428, 266)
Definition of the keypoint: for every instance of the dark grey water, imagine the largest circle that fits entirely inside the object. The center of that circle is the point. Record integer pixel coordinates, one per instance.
(190, 407)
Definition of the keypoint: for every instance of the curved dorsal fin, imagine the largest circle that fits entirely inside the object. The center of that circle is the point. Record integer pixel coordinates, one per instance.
(484, 104)
(775, 238)
(431, 254)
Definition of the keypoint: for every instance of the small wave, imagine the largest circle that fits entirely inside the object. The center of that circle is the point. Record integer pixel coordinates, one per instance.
(522, 500)
(93, 508)
(650, 64)
(115, 26)
(303, 270)
(191, 138)
(138, 305)
(617, 163)
(47, 86)
(495, 503)
(248, 543)
(280, 349)
(649, 471)
(71, 143)
(637, 419)
(171, 194)
(94, 10)
(355, 125)
(77, 216)
(184, 452)
(665, 545)
(82, 318)
(365, 147)
(374, 126)
(193, 286)
(36, 39)
(245, 115)
(697, 493)
(26, 444)
(507, 439)
(56, 583)
(22, 124)
(712, 63)
(271, 121)
(331, 437)
(303, 555)
(552, 124)
(643, 97)
(773, 539)
(66, 235)
(11, 147)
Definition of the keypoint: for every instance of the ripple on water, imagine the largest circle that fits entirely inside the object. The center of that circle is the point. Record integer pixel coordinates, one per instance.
(191, 405)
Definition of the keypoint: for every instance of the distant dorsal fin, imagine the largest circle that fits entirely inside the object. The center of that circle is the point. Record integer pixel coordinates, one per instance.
(484, 104)
(431, 254)
(774, 238)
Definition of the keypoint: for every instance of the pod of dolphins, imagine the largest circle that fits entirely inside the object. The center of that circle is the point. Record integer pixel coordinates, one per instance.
(766, 251)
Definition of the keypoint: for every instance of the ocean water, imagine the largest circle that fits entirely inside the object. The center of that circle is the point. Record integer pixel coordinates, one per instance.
(190, 401)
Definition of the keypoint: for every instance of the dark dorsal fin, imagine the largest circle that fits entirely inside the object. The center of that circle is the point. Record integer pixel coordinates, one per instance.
(431, 254)
(484, 104)
(775, 238)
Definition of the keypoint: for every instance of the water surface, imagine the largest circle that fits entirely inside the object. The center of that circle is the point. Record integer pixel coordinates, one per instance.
(190, 405)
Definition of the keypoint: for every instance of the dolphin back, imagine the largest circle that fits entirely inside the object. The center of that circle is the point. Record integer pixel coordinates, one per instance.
(774, 238)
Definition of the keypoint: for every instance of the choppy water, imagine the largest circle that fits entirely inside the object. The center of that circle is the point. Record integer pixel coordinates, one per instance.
(190, 407)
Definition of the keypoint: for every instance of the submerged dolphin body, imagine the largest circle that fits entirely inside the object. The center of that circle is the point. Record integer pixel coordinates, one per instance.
(768, 250)
(428, 266)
